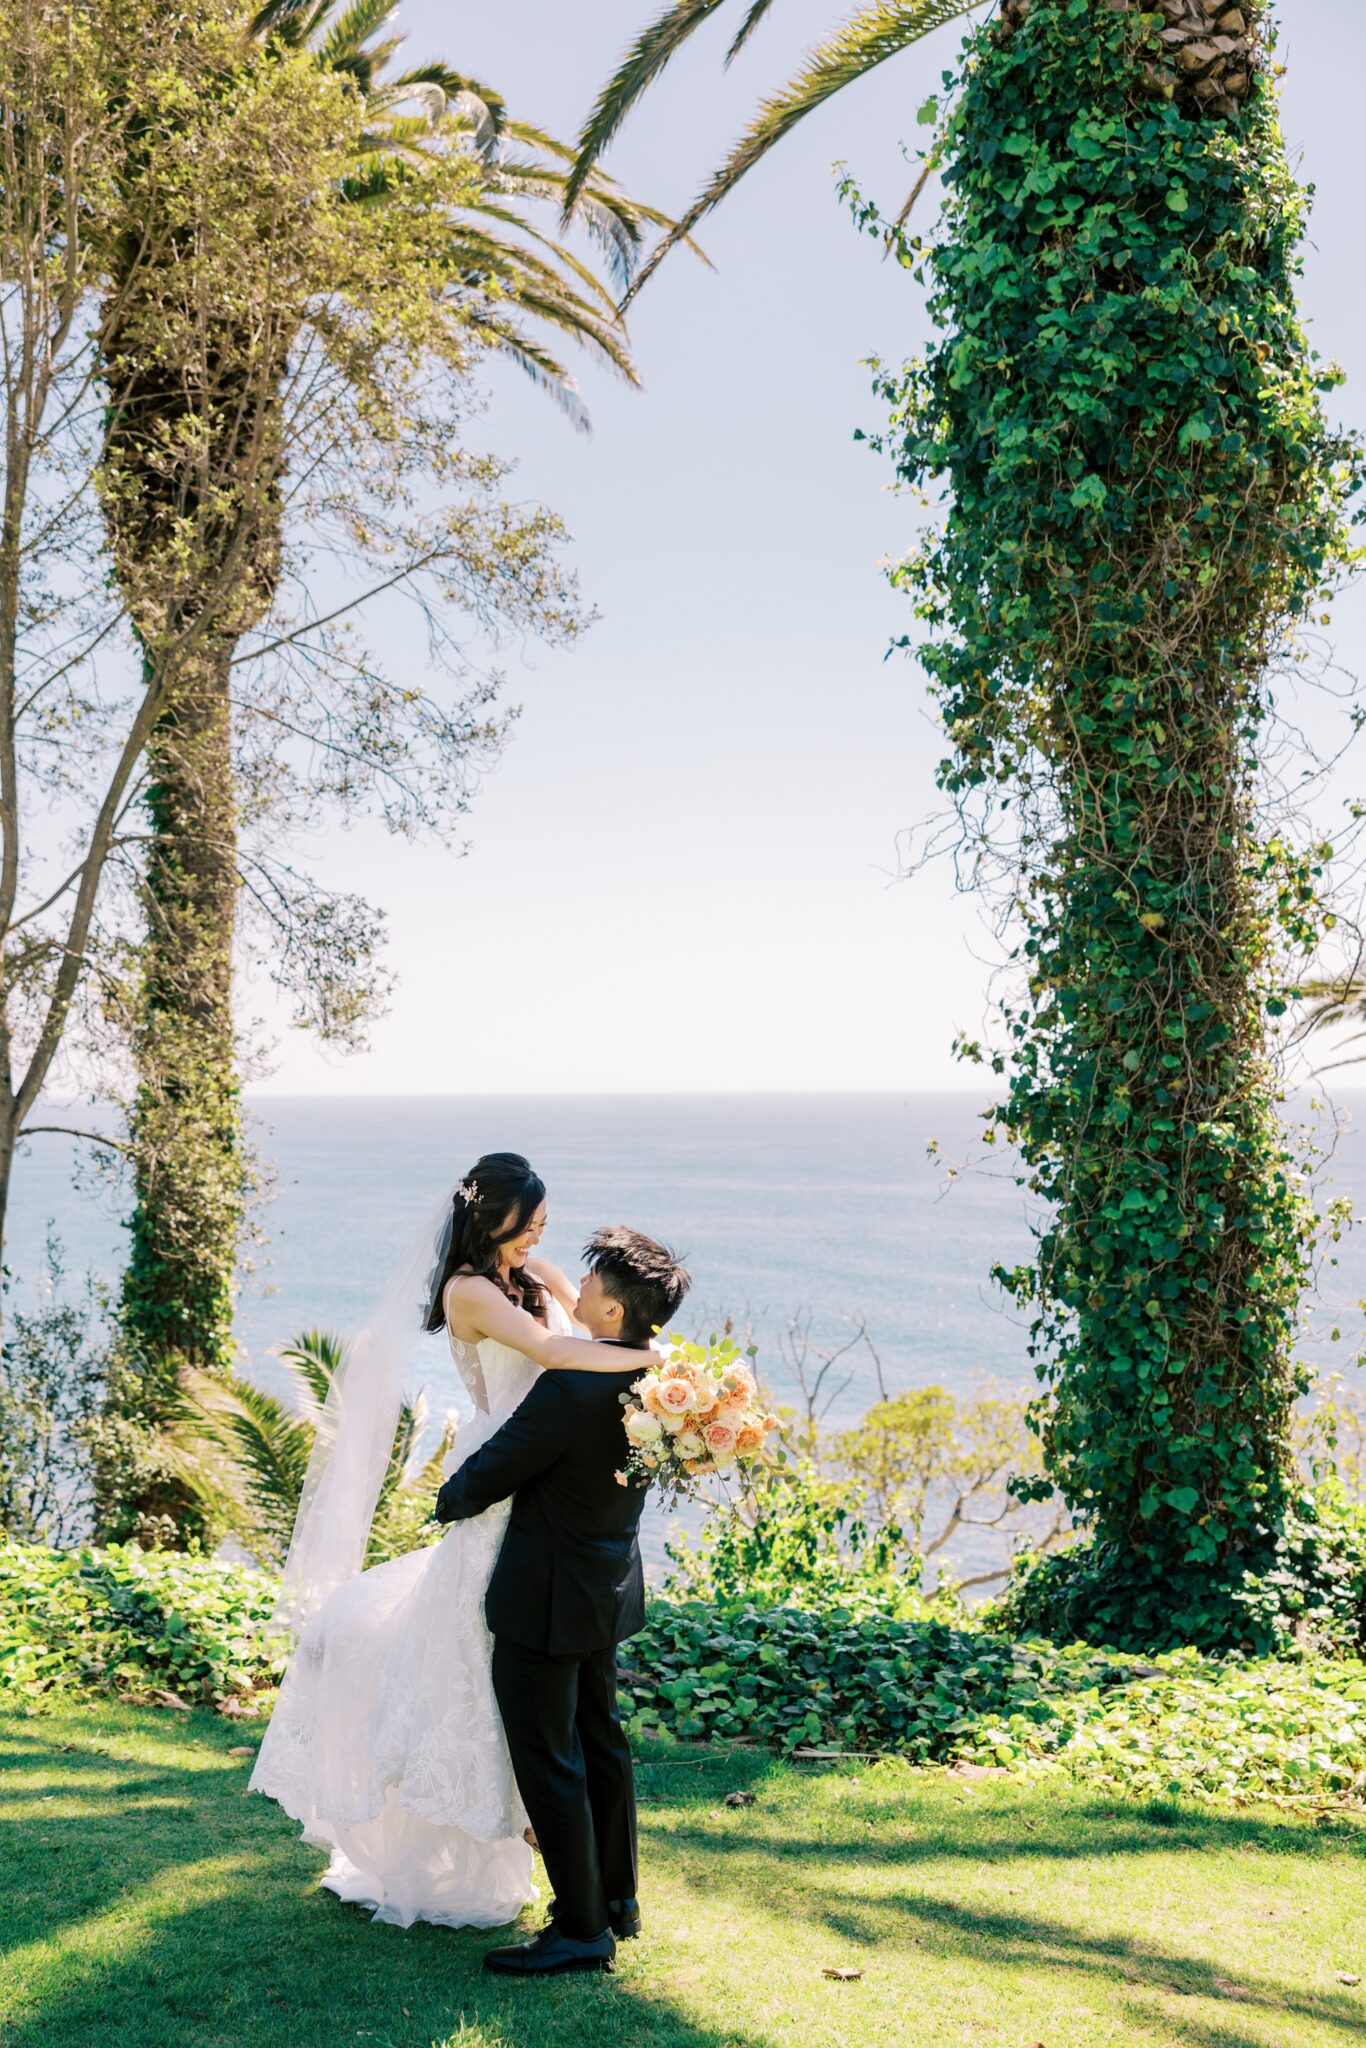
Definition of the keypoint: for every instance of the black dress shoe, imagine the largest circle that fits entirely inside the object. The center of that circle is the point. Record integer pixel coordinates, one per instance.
(551, 1952)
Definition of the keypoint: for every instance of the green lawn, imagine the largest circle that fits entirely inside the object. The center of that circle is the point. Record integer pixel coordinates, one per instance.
(148, 1903)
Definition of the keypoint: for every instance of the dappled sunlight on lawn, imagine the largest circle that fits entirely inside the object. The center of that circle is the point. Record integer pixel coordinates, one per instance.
(153, 1902)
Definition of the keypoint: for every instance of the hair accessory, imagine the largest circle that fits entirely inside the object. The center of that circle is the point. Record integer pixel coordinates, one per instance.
(467, 1191)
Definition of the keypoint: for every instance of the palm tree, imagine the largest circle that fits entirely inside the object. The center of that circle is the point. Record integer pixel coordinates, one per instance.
(523, 291)
(267, 1444)
(1207, 63)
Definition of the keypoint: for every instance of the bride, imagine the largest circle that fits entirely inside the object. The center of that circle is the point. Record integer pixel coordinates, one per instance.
(386, 1743)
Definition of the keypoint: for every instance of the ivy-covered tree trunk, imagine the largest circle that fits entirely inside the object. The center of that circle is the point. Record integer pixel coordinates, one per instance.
(1143, 499)
(185, 1128)
(190, 482)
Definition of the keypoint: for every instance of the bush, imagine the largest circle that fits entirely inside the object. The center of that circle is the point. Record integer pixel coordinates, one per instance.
(1307, 1594)
(53, 1365)
(135, 1623)
(805, 1541)
(933, 1693)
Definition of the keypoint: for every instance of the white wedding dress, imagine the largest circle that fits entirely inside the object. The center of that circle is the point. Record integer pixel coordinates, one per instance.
(386, 1743)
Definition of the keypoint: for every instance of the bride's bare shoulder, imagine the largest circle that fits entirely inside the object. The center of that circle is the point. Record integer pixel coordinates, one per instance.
(464, 1295)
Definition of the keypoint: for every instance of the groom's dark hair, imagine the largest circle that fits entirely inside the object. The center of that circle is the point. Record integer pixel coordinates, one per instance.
(643, 1276)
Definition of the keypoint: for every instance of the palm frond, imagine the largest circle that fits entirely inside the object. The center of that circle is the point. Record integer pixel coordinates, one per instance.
(404, 1519)
(284, 15)
(594, 285)
(314, 1357)
(407, 116)
(868, 39)
(408, 1433)
(539, 365)
(350, 30)
(428, 1474)
(270, 1449)
(615, 227)
(747, 27)
(638, 70)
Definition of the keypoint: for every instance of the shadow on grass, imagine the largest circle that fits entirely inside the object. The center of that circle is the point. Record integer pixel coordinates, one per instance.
(171, 1907)
(151, 1903)
(994, 1829)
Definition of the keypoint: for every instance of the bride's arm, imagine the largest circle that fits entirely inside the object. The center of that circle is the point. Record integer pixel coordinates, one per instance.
(486, 1310)
(555, 1282)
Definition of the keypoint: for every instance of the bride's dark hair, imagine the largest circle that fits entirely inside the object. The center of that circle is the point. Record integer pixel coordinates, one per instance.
(494, 1202)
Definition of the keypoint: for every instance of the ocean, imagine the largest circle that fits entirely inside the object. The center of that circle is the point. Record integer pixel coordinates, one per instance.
(801, 1218)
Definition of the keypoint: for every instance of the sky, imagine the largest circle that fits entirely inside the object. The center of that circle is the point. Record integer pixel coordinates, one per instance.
(700, 814)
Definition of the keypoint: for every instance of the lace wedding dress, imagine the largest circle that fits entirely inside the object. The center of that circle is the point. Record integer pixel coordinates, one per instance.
(386, 1743)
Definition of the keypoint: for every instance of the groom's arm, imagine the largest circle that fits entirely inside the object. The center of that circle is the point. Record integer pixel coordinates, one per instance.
(533, 1437)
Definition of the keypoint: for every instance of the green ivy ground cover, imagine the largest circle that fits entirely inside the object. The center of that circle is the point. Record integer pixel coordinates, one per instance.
(149, 1903)
(120, 1622)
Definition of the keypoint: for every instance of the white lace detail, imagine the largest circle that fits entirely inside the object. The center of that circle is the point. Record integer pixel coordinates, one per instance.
(385, 1743)
(471, 1371)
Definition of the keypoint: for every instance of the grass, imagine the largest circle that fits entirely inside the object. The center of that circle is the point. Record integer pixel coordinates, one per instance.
(147, 1902)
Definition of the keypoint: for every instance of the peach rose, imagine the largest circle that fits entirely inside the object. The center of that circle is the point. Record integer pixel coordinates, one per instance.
(705, 1416)
(737, 1387)
(675, 1396)
(647, 1393)
(719, 1437)
(749, 1437)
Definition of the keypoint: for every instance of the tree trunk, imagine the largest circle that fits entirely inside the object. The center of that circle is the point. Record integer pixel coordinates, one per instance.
(7, 1143)
(1145, 498)
(190, 473)
(185, 1127)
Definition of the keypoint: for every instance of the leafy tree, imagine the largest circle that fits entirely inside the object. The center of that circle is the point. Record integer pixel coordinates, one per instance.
(1143, 500)
(392, 237)
(71, 735)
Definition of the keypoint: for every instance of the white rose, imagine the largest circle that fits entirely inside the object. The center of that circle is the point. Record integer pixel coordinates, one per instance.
(690, 1445)
(643, 1428)
(674, 1423)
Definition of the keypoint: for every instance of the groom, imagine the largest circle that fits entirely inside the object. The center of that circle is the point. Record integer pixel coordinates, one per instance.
(567, 1588)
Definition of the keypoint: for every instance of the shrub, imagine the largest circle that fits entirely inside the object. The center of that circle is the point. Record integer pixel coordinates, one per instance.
(53, 1366)
(1311, 1593)
(119, 1621)
(134, 1623)
(807, 1541)
(933, 1693)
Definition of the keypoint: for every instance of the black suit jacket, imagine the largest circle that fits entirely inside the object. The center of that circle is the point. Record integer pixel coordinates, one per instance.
(568, 1578)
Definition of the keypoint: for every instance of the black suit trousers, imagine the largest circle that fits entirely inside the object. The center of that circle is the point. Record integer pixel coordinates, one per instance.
(573, 1767)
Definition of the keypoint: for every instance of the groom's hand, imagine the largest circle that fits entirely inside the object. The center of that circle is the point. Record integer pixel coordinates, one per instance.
(444, 1511)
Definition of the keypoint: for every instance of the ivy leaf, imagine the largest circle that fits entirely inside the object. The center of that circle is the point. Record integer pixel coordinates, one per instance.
(1184, 1499)
(1090, 495)
(1177, 198)
(928, 112)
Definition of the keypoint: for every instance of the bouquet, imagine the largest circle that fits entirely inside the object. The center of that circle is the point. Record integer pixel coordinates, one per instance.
(698, 1415)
